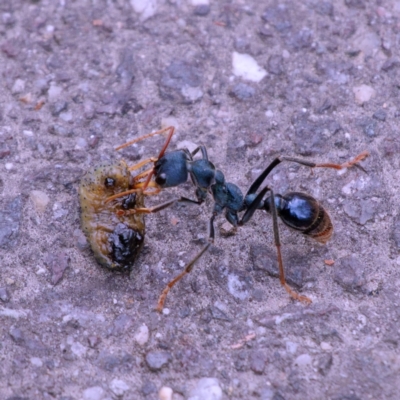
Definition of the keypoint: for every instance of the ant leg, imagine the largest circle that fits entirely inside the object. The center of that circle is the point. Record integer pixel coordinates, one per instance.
(159, 207)
(189, 267)
(140, 176)
(170, 128)
(352, 163)
(203, 150)
(282, 278)
(260, 179)
(253, 206)
(162, 152)
(141, 163)
(138, 187)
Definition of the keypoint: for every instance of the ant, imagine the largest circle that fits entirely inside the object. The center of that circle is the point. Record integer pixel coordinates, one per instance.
(298, 211)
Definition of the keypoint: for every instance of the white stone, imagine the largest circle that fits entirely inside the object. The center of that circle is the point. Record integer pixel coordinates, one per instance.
(142, 335)
(119, 387)
(326, 346)
(66, 116)
(206, 389)
(363, 93)
(146, 8)
(36, 361)
(199, 2)
(165, 393)
(40, 200)
(81, 144)
(191, 93)
(291, 347)
(78, 349)
(303, 360)
(368, 42)
(8, 312)
(93, 393)
(9, 166)
(18, 87)
(54, 92)
(236, 287)
(246, 67)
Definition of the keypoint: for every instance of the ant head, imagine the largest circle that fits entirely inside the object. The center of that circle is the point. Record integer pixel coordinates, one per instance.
(171, 169)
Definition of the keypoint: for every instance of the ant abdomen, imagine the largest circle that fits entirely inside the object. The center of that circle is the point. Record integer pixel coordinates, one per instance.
(303, 213)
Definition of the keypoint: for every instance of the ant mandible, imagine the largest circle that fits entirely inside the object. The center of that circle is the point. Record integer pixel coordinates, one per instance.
(297, 210)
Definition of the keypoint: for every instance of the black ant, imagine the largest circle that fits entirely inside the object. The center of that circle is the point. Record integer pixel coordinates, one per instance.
(297, 210)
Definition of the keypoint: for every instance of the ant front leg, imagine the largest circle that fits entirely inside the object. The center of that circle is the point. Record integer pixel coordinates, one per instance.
(159, 207)
(189, 266)
(251, 208)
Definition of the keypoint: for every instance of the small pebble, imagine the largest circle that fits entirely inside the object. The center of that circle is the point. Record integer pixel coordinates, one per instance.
(119, 387)
(4, 295)
(165, 393)
(54, 93)
(40, 200)
(36, 361)
(157, 359)
(326, 346)
(142, 335)
(18, 87)
(206, 389)
(303, 360)
(93, 393)
(202, 10)
(363, 94)
(291, 347)
(246, 67)
(146, 8)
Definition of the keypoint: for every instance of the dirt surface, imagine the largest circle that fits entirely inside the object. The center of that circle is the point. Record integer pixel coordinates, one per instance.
(79, 78)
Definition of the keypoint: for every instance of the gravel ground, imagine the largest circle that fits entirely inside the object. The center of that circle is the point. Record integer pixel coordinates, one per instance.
(250, 80)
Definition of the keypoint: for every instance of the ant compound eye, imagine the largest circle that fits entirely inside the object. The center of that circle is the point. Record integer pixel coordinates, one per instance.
(161, 179)
(109, 182)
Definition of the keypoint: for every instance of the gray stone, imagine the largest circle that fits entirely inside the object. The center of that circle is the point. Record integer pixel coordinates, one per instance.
(349, 273)
(396, 231)
(279, 17)
(157, 359)
(356, 4)
(380, 115)
(60, 130)
(180, 76)
(258, 360)
(275, 65)
(310, 136)
(58, 107)
(202, 10)
(57, 263)
(324, 363)
(243, 91)
(121, 325)
(390, 64)
(4, 150)
(148, 388)
(4, 294)
(10, 219)
(369, 126)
